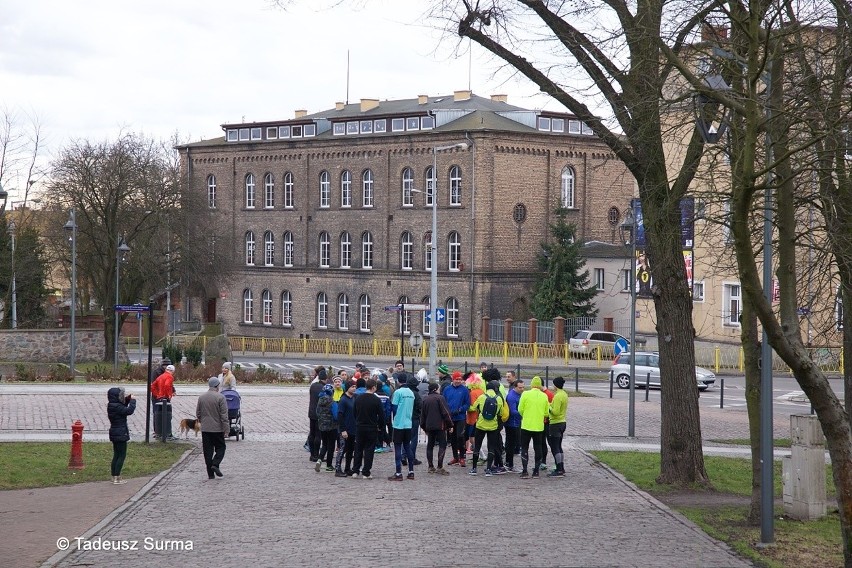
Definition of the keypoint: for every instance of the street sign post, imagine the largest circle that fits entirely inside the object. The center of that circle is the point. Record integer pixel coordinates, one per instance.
(415, 307)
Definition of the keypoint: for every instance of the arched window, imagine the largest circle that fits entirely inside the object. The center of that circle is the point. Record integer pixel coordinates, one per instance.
(407, 186)
(427, 251)
(367, 188)
(288, 190)
(268, 249)
(452, 320)
(248, 306)
(325, 190)
(346, 189)
(406, 251)
(250, 248)
(431, 183)
(345, 250)
(454, 251)
(250, 191)
(288, 249)
(322, 310)
(343, 311)
(455, 185)
(568, 178)
(404, 323)
(286, 308)
(367, 250)
(427, 326)
(267, 307)
(211, 191)
(268, 191)
(324, 250)
(364, 312)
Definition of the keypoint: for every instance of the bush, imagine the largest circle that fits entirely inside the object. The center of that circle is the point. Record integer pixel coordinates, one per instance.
(193, 355)
(298, 376)
(172, 352)
(25, 373)
(100, 373)
(60, 374)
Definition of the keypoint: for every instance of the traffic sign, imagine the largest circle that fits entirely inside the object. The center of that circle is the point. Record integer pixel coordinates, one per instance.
(415, 307)
(393, 308)
(416, 340)
(440, 315)
(620, 346)
(132, 308)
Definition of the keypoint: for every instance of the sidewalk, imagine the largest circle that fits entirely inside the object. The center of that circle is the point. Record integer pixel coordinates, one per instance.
(272, 509)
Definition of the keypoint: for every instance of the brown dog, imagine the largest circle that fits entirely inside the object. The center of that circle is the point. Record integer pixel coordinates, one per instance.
(188, 424)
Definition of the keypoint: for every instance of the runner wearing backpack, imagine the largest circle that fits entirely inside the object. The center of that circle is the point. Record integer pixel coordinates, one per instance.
(489, 405)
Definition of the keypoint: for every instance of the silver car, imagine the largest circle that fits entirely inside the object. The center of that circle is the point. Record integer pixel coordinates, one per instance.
(594, 343)
(646, 363)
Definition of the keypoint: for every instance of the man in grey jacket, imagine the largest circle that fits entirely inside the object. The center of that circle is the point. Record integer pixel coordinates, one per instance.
(212, 412)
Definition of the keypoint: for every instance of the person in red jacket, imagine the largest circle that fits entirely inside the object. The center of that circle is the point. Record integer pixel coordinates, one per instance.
(162, 391)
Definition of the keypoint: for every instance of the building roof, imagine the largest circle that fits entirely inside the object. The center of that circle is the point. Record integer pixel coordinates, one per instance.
(414, 106)
(599, 249)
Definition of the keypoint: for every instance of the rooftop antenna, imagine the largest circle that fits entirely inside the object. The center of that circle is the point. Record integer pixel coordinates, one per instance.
(347, 76)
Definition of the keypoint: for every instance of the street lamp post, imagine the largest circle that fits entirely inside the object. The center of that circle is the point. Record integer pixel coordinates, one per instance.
(628, 227)
(433, 294)
(120, 253)
(12, 232)
(71, 227)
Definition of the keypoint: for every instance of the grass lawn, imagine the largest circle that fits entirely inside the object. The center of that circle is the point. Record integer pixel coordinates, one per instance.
(25, 465)
(797, 543)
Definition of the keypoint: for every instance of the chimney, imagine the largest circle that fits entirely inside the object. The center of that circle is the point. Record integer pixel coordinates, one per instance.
(301, 113)
(713, 33)
(500, 98)
(369, 104)
(339, 105)
(422, 99)
(461, 96)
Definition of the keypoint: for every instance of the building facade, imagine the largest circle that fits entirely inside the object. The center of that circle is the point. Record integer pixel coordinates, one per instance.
(331, 213)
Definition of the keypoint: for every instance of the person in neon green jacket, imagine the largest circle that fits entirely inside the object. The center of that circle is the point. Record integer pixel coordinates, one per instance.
(533, 408)
(487, 426)
(556, 428)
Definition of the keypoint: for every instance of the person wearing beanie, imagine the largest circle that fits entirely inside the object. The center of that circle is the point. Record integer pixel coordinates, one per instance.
(458, 401)
(556, 426)
(229, 381)
(328, 427)
(162, 391)
(346, 430)
(513, 425)
(436, 421)
(476, 387)
(317, 385)
(492, 375)
(212, 413)
(533, 408)
(119, 407)
(487, 424)
(443, 376)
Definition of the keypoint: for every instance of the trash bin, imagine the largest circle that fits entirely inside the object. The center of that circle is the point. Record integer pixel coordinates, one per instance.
(163, 419)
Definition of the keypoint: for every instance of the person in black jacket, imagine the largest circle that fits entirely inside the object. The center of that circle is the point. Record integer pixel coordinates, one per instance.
(314, 435)
(369, 418)
(436, 421)
(346, 426)
(119, 407)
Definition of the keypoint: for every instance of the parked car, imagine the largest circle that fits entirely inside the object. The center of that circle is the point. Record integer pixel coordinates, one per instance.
(594, 343)
(650, 363)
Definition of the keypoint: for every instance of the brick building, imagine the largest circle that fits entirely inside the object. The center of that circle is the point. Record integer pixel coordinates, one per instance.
(331, 212)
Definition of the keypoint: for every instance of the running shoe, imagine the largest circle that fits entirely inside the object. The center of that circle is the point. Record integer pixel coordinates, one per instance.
(411, 475)
(395, 477)
(472, 471)
(317, 466)
(525, 475)
(442, 471)
(487, 472)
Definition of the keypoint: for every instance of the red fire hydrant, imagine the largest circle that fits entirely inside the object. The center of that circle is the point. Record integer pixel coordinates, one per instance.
(76, 461)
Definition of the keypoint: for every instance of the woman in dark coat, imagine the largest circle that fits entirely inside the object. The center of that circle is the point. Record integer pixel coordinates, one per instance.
(119, 408)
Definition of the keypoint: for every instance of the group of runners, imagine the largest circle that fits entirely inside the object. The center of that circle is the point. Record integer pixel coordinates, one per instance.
(354, 417)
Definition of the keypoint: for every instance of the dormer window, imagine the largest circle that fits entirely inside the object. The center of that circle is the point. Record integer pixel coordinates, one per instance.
(397, 125)
(255, 133)
(380, 126)
(339, 128)
(296, 131)
(427, 123)
(271, 133)
(352, 127)
(412, 123)
(283, 132)
(309, 130)
(366, 126)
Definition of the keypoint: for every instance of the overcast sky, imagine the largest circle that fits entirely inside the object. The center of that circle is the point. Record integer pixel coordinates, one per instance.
(94, 68)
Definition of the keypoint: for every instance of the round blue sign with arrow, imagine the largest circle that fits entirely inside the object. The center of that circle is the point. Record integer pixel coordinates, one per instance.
(620, 346)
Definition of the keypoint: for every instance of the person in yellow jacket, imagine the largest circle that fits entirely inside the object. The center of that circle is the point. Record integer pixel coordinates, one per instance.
(533, 408)
(489, 405)
(556, 428)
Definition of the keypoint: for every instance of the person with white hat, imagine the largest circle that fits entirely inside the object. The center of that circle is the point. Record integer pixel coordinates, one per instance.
(212, 412)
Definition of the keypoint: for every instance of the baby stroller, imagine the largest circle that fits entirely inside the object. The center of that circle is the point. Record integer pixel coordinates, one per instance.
(235, 420)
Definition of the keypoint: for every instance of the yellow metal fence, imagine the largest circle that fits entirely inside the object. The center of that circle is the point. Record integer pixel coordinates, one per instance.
(719, 358)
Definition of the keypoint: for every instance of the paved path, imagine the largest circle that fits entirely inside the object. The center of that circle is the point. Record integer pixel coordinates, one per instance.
(272, 509)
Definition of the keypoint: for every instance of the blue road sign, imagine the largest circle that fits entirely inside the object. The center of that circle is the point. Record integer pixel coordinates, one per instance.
(125, 308)
(620, 346)
(440, 315)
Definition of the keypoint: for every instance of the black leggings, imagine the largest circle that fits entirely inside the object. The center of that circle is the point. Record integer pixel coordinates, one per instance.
(538, 447)
(119, 452)
(433, 436)
(329, 440)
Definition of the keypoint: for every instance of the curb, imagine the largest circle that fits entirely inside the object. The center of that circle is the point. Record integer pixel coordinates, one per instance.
(63, 554)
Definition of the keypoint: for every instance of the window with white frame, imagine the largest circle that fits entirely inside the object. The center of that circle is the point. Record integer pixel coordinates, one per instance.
(454, 249)
(364, 312)
(367, 250)
(427, 250)
(250, 191)
(426, 324)
(346, 189)
(406, 251)
(288, 190)
(367, 188)
(325, 189)
(600, 279)
(322, 310)
(431, 183)
(211, 191)
(455, 185)
(698, 291)
(286, 308)
(404, 322)
(452, 319)
(268, 191)
(407, 186)
(345, 250)
(248, 306)
(568, 178)
(267, 307)
(324, 250)
(288, 249)
(250, 248)
(343, 311)
(626, 279)
(732, 304)
(268, 249)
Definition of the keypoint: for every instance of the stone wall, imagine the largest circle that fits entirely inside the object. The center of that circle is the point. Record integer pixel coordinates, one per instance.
(53, 345)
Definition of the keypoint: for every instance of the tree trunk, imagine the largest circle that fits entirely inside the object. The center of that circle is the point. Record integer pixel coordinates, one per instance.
(751, 356)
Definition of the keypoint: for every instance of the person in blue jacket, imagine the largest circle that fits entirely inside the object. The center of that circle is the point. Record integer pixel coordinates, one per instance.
(346, 428)
(457, 396)
(513, 424)
(119, 407)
